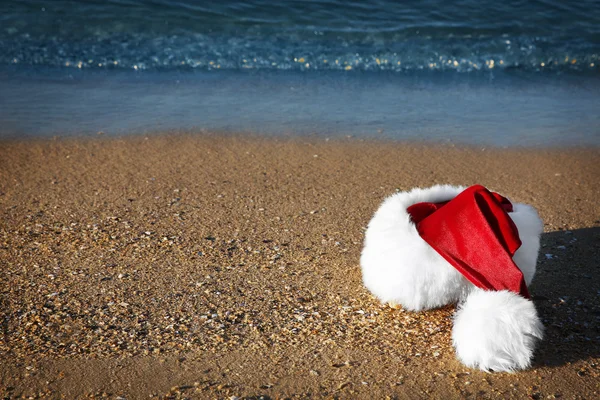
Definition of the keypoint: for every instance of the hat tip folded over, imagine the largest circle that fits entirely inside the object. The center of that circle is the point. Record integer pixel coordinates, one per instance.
(496, 331)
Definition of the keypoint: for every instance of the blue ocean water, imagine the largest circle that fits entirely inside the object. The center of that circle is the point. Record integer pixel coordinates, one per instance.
(488, 71)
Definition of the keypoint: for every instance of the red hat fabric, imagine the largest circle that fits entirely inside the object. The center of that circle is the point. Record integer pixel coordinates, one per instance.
(475, 234)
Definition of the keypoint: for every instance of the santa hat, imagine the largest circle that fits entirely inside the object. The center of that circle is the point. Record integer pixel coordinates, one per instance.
(430, 247)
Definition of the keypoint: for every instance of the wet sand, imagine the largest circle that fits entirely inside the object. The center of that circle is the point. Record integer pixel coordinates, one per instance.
(210, 266)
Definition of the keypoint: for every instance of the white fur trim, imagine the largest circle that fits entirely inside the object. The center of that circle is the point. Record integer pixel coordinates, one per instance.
(398, 266)
(530, 228)
(496, 330)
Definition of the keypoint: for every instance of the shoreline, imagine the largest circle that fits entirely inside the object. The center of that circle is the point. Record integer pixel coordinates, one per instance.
(218, 266)
(282, 138)
(500, 109)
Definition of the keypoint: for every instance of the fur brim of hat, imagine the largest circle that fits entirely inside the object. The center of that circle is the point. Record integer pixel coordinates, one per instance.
(398, 266)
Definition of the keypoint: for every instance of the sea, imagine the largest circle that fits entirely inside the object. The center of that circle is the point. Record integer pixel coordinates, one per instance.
(503, 73)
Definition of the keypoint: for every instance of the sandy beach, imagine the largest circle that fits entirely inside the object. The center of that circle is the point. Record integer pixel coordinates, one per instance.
(207, 266)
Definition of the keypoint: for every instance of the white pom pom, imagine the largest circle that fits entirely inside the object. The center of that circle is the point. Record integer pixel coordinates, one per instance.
(496, 330)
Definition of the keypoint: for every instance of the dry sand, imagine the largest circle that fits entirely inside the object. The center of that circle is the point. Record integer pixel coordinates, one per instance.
(210, 267)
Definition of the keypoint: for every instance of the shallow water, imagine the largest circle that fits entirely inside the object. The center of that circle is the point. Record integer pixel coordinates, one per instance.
(504, 73)
(503, 111)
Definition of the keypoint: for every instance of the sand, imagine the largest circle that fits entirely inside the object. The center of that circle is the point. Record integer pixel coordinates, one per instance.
(205, 266)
